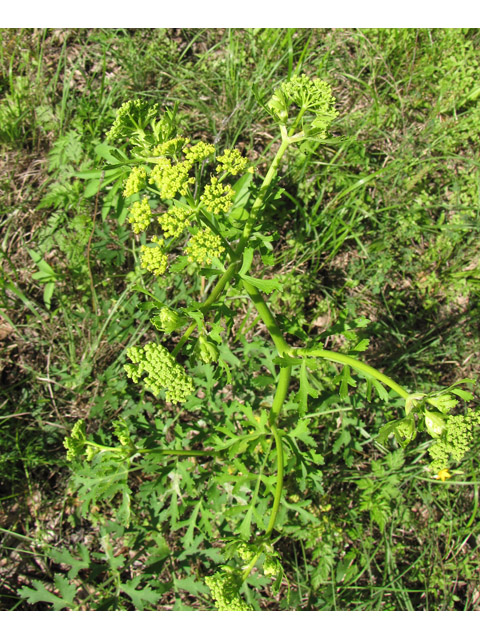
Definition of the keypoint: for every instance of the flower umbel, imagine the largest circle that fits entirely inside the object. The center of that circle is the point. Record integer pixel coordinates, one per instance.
(163, 373)
(203, 247)
(174, 221)
(171, 179)
(231, 162)
(135, 181)
(132, 117)
(76, 444)
(225, 585)
(140, 215)
(455, 440)
(199, 152)
(217, 197)
(154, 259)
(312, 97)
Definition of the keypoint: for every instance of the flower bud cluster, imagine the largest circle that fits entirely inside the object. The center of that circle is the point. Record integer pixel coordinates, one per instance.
(140, 215)
(207, 351)
(75, 442)
(133, 115)
(271, 566)
(225, 585)
(163, 373)
(203, 247)
(199, 152)
(168, 320)
(76, 445)
(171, 179)
(217, 197)
(314, 96)
(232, 162)
(135, 181)
(174, 221)
(454, 441)
(122, 432)
(154, 259)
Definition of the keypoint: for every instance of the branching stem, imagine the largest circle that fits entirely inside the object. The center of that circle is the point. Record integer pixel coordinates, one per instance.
(362, 367)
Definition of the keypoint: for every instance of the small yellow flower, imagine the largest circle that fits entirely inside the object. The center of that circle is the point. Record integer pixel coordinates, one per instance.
(443, 475)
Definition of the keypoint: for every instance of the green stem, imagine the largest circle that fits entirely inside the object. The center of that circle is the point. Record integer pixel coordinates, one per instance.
(341, 358)
(259, 201)
(279, 399)
(101, 446)
(213, 297)
(178, 452)
(280, 394)
(267, 316)
(165, 452)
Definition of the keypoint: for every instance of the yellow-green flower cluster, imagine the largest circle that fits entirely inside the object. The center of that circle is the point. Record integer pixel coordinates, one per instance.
(314, 96)
(225, 586)
(199, 152)
(140, 215)
(174, 221)
(217, 197)
(154, 259)
(163, 373)
(135, 181)
(455, 440)
(171, 179)
(203, 247)
(231, 162)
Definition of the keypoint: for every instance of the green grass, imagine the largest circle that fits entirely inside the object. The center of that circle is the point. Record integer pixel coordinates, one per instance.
(380, 222)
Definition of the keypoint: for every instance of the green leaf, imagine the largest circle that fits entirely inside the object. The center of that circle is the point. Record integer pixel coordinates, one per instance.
(40, 593)
(245, 528)
(142, 596)
(361, 346)
(242, 191)
(345, 380)
(267, 286)
(65, 556)
(465, 395)
(48, 293)
(247, 260)
(104, 151)
(302, 432)
(94, 186)
(404, 430)
(305, 390)
(380, 389)
(187, 539)
(342, 441)
(45, 271)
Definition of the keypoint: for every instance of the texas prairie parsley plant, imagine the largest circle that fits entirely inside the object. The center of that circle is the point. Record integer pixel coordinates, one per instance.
(201, 210)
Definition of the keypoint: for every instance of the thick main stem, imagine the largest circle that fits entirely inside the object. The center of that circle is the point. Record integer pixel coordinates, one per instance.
(267, 316)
